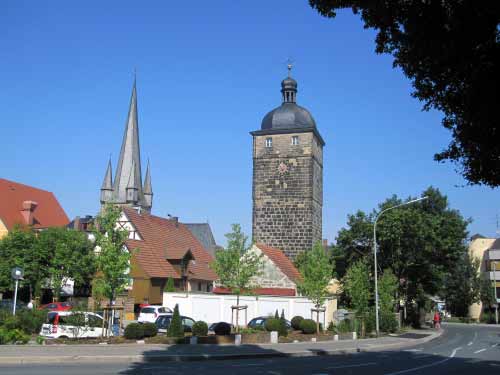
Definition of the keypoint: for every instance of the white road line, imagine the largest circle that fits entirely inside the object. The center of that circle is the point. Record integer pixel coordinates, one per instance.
(425, 366)
(479, 351)
(413, 350)
(494, 345)
(355, 365)
(469, 344)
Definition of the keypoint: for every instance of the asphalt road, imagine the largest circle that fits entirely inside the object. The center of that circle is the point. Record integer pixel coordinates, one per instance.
(462, 349)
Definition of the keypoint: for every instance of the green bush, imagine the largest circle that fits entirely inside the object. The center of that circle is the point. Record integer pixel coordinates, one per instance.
(200, 328)
(308, 326)
(346, 326)
(13, 336)
(331, 327)
(388, 322)
(28, 321)
(134, 331)
(176, 329)
(296, 322)
(150, 329)
(272, 324)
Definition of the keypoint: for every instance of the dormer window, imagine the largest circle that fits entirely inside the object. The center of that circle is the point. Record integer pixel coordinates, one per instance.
(269, 142)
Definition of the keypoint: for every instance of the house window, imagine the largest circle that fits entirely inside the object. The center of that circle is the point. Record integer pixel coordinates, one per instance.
(269, 142)
(199, 287)
(295, 140)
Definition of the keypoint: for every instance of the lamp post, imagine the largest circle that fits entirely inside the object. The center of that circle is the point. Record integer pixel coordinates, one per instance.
(495, 290)
(17, 274)
(375, 254)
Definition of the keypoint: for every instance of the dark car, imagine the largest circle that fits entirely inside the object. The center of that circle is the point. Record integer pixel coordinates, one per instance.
(259, 322)
(163, 322)
(220, 328)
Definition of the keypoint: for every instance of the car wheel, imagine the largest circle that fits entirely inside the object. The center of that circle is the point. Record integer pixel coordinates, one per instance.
(63, 337)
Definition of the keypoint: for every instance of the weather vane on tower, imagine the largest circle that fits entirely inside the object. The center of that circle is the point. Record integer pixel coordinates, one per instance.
(289, 65)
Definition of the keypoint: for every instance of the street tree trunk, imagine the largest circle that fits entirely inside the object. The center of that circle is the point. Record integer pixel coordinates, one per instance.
(317, 320)
(237, 312)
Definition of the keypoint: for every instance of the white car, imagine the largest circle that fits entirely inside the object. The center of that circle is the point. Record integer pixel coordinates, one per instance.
(61, 324)
(149, 313)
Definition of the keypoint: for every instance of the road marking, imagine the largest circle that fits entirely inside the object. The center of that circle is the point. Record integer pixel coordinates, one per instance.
(413, 350)
(474, 339)
(479, 351)
(494, 345)
(355, 365)
(428, 365)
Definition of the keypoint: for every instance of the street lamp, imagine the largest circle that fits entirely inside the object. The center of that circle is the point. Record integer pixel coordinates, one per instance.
(375, 254)
(17, 274)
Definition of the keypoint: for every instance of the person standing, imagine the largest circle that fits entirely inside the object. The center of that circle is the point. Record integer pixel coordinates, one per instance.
(437, 320)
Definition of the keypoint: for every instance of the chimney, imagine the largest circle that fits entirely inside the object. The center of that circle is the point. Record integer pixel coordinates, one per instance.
(28, 210)
(175, 219)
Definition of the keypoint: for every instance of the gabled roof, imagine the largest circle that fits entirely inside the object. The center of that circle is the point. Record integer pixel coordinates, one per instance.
(48, 212)
(203, 233)
(165, 240)
(281, 261)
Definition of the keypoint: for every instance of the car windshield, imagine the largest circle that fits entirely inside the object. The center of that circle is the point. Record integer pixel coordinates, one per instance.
(148, 310)
(163, 322)
(51, 318)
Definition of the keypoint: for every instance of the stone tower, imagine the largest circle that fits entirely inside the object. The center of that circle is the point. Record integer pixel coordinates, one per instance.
(127, 188)
(288, 177)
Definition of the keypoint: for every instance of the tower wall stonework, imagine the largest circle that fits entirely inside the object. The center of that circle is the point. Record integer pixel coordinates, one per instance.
(288, 191)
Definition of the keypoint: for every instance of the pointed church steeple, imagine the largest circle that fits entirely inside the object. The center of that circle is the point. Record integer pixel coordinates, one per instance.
(148, 189)
(107, 185)
(126, 188)
(129, 163)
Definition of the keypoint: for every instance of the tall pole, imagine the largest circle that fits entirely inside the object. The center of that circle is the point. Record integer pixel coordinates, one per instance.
(15, 298)
(375, 256)
(495, 290)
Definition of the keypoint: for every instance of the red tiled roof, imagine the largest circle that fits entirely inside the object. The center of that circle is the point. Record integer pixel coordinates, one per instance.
(261, 291)
(163, 240)
(281, 261)
(48, 212)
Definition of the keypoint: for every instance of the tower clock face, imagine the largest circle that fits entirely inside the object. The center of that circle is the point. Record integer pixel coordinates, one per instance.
(282, 168)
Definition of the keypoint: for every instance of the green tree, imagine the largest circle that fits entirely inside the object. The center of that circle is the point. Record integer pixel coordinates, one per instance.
(71, 256)
(236, 265)
(170, 285)
(175, 329)
(449, 50)
(487, 295)
(462, 286)
(19, 248)
(316, 271)
(387, 288)
(356, 284)
(113, 258)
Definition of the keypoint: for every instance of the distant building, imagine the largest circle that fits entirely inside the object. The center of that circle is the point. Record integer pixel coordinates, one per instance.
(279, 275)
(203, 233)
(288, 177)
(127, 189)
(28, 206)
(487, 251)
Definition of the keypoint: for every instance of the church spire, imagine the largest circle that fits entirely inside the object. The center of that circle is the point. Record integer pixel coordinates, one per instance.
(148, 189)
(107, 185)
(128, 172)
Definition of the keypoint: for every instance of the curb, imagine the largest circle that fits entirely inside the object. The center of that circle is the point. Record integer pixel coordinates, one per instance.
(212, 357)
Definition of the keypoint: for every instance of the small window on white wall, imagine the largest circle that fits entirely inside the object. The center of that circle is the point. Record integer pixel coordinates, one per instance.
(269, 142)
(295, 140)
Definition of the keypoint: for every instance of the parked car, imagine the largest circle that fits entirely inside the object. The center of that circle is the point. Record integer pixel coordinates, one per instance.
(56, 306)
(259, 322)
(60, 324)
(220, 328)
(163, 322)
(149, 313)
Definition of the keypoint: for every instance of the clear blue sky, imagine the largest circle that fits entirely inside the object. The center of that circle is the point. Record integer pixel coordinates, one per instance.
(207, 73)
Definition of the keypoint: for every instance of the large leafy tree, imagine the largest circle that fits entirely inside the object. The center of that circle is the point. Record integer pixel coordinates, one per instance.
(236, 266)
(113, 258)
(450, 50)
(419, 243)
(71, 256)
(19, 248)
(316, 271)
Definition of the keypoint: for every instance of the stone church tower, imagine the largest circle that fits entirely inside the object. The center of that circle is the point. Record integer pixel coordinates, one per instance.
(127, 188)
(288, 177)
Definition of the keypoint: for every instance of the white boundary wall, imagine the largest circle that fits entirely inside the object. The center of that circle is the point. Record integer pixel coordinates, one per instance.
(213, 308)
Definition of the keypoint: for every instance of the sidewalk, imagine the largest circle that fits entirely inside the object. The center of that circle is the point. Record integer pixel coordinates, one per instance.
(15, 354)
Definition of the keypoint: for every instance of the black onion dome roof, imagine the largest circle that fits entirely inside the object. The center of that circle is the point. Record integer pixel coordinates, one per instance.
(288, 116)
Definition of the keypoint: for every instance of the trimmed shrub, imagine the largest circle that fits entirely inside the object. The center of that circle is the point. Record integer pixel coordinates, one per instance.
(134, 331)
(176, 329)
(276, 315)
(272, 324)
(388, 322)
(308, 326)
(296, 322)
(222, 329)
(200, 328)
(13, 336)
(170, 285)
(283, 329)
(150, 329)
(331, 327)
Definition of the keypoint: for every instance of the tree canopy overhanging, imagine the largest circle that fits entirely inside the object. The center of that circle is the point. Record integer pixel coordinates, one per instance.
(450, 50)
